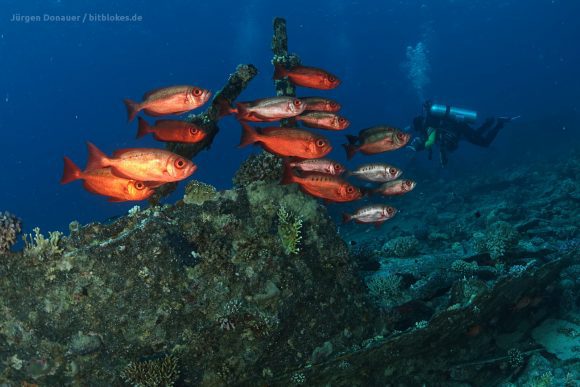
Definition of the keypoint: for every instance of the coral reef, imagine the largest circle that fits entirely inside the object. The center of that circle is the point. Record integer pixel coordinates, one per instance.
(10, 228)
(152, 373)
(402, 246)
(39, 247)
(197, 192)
(289, 230)
(499, 238)
(208, 283)
(261, 167)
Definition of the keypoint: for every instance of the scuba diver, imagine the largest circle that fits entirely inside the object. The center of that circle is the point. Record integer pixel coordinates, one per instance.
(446, 125)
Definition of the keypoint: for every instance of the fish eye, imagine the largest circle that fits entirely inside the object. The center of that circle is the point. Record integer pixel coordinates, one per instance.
(139, 185)
(341, 120)
(350, 189)
(400, 136)
(297, 102)
(179, 163)
(390, 210)
(197, 92)
(331, 78)
(409, 183)
(337, 167)
(320, 143)
(393, 171)
(333, 105)
(193, 130)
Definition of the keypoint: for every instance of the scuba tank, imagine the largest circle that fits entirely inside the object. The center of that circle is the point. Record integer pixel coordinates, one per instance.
(453, 113)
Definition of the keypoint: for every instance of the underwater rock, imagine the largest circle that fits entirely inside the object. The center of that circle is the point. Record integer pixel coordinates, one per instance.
(210, 284)
(559, 337)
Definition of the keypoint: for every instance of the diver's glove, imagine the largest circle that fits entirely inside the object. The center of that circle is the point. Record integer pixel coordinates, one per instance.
(416, 145)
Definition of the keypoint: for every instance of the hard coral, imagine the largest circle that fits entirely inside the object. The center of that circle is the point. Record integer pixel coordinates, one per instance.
(40, 247)
(161, 372)
(498, 239)
(10, 227)
(402, 246)
(262, 167)
(197, 192)
(289, 230)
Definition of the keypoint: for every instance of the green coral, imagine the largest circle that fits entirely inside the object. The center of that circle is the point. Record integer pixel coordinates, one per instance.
(289, 230)
(197, 192)
(160, 372)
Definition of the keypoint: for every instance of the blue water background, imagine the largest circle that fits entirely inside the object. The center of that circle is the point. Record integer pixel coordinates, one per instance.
(62, 84)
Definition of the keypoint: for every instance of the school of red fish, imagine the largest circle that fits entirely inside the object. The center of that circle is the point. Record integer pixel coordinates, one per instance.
(134, 173)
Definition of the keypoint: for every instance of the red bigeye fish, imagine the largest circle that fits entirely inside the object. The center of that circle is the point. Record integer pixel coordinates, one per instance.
(287, 142)
(320, 104)
(318, 165)
(396, 187)
(143, 164)
(172, 131)
(168, 100)
(304, 76)
(264, 110)
(323, 120)
(378, 142)
(327, 187)
(376, 213)
(102, 181)
(377, 172)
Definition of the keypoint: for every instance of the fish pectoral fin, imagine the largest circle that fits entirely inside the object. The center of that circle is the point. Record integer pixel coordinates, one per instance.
(119, 173)
(113, 199)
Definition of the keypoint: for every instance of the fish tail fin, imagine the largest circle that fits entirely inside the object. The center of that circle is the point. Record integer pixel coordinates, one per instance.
(351, 139)
(346, 217)
(350, 150)
(144, 128)
(70, 172)
(97, 159)
(224, 107)
(132, 109)
(249, 135)
(280, 71)
(288, 176)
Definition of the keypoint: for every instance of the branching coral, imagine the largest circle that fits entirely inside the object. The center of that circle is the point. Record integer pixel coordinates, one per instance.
(289, 230)
(40, 247)
(10, 227)
(161, 372)
(385, 287)
(498, 239)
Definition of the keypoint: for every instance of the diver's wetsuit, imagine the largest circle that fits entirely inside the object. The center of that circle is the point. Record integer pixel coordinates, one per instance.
(449, 133)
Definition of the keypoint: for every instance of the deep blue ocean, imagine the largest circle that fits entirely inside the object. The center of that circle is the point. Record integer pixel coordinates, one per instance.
(63, 83)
